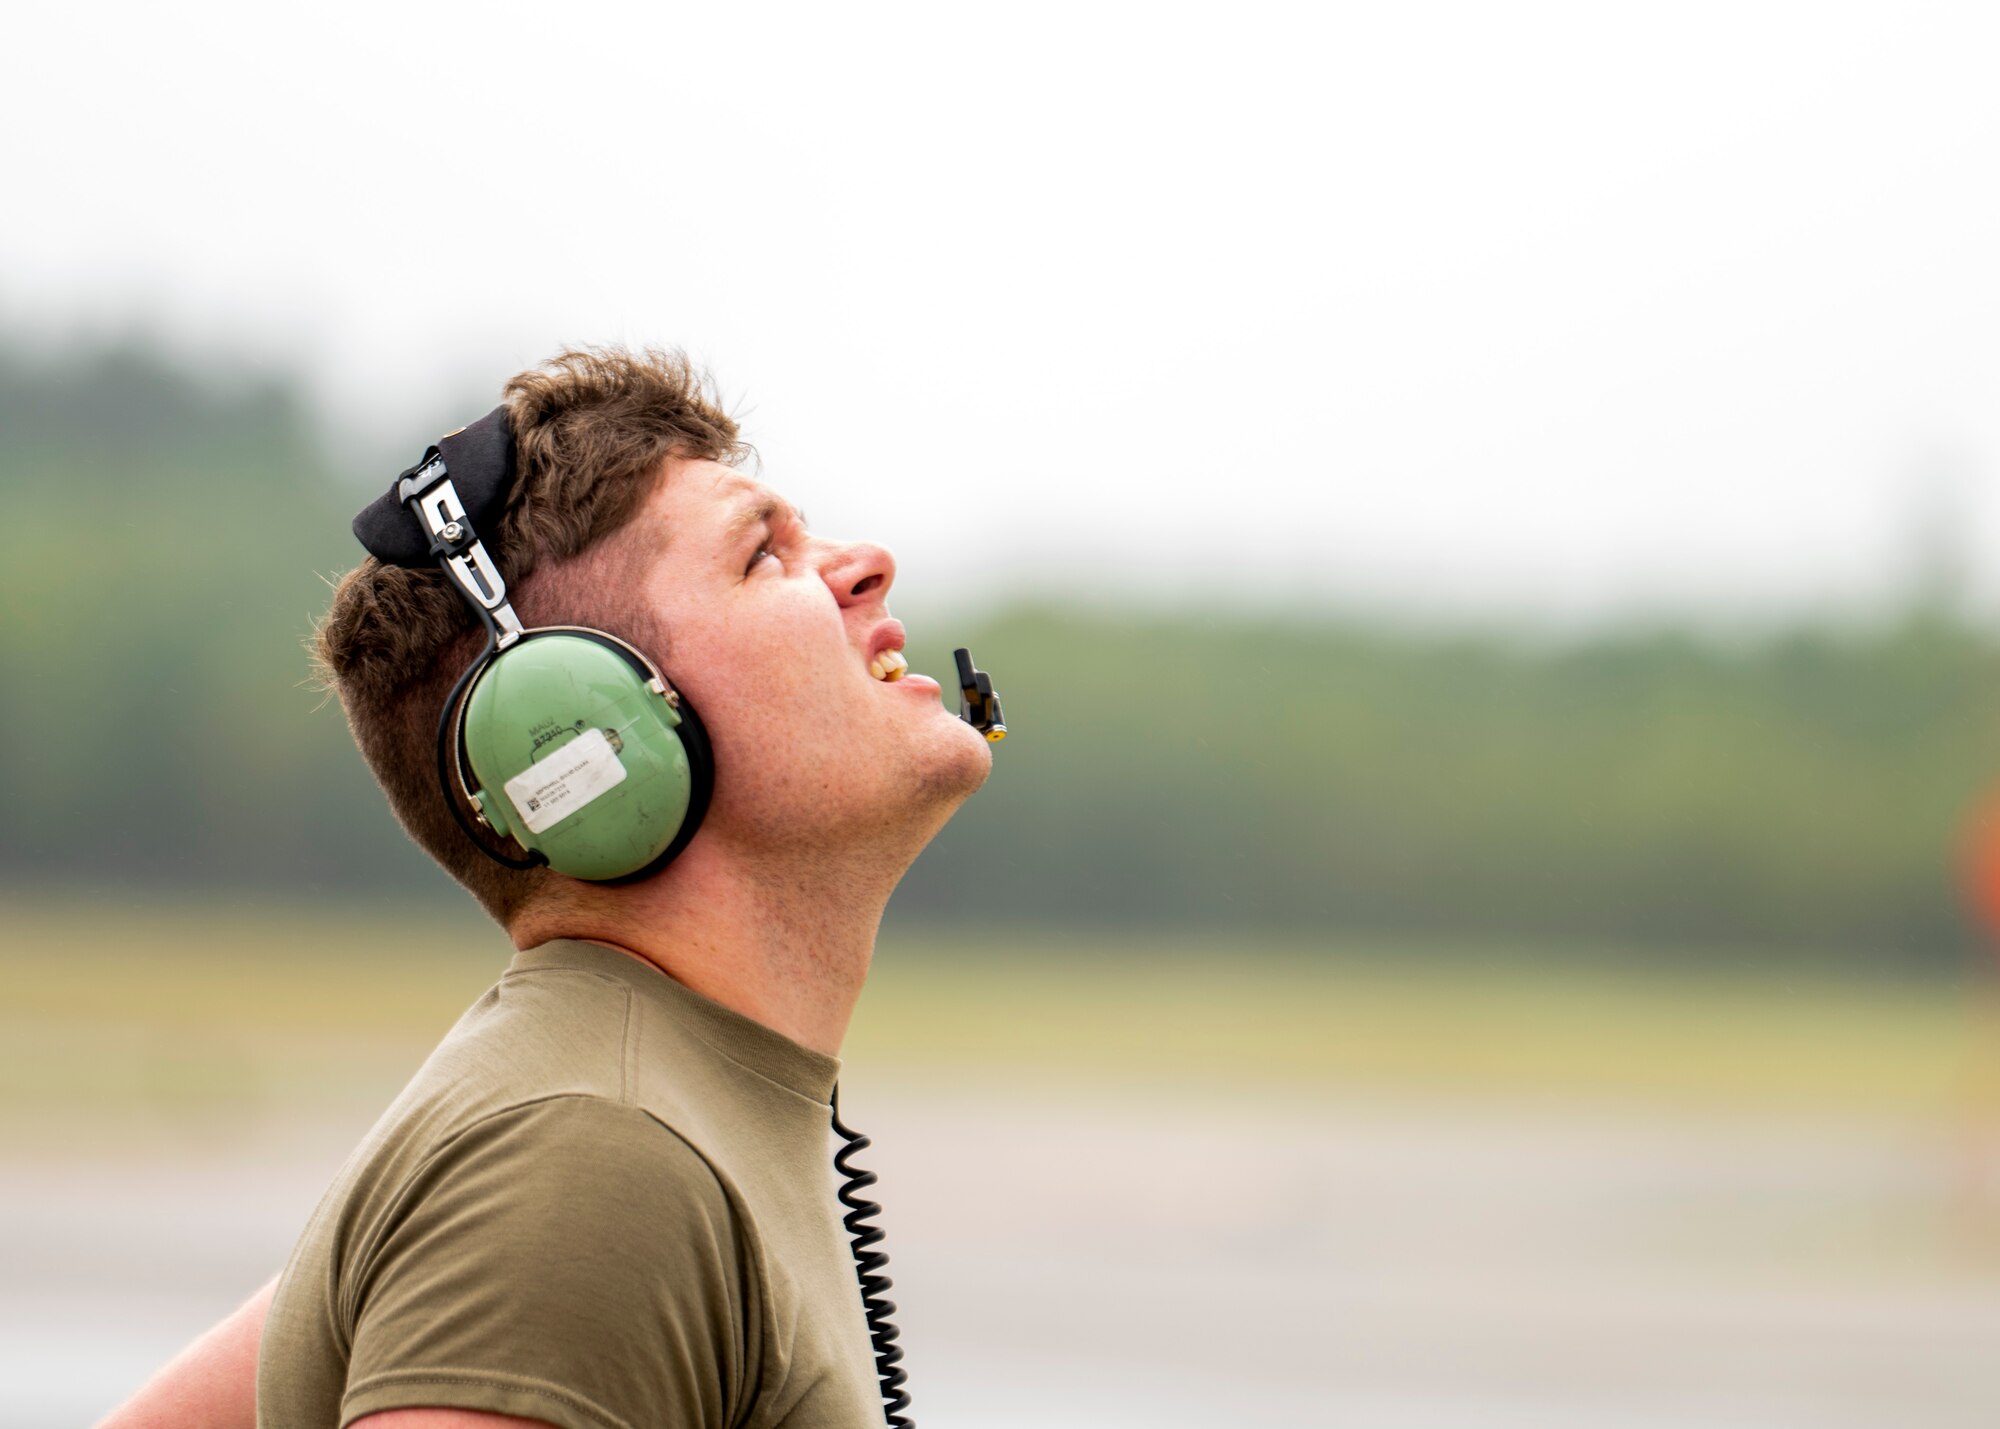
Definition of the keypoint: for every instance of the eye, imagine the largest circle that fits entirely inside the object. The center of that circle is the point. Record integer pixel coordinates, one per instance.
(758, 555)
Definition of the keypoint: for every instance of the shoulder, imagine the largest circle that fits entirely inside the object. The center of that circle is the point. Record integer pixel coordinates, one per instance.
(577, 1189)
(534, 1034)
(568, 1155)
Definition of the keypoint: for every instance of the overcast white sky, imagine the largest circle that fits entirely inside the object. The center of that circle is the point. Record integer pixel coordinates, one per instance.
(1461, 309)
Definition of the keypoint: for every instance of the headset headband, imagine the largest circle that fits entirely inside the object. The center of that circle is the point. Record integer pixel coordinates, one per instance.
(460, 486)
(481, 461)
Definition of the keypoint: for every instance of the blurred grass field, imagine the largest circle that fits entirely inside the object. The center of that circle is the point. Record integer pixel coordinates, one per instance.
(196, 1014)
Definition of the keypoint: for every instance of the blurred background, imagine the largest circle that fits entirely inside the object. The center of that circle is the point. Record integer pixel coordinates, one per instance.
(1487, 525)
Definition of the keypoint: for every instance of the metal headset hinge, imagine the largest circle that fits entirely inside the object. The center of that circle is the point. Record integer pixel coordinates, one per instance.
(457, 546)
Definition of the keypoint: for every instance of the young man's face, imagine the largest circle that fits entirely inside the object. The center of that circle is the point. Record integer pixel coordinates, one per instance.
(770, 632)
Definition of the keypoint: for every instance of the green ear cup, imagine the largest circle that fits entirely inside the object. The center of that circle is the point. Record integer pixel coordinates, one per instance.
(579, 755)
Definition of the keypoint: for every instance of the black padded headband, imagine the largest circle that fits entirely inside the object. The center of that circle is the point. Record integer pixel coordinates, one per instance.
(480, 459)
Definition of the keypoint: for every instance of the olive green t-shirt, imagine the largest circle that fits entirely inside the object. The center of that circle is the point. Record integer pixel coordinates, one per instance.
(604, 1202)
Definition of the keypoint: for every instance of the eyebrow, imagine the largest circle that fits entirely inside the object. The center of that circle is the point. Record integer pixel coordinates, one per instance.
(758, 513)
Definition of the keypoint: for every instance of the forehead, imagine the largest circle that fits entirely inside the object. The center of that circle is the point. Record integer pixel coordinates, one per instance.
(692, 486)
(696, 503)
(702, 510)
(708, 488)
(727, 503)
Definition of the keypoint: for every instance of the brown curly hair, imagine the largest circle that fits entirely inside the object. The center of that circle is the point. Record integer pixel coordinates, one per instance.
(593, 429)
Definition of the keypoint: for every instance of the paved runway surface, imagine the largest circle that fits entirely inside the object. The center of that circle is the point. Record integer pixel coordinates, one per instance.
(1129, 1261)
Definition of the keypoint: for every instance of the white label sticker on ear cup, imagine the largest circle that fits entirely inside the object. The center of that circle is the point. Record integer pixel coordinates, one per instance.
(550, 791)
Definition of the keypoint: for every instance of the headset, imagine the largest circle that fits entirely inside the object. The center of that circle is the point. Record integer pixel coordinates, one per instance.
(565, 740)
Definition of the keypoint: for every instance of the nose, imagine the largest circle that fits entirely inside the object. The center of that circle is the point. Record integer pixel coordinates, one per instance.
(861, 572)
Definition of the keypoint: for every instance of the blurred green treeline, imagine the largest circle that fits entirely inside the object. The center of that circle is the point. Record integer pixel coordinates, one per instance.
(162, 556)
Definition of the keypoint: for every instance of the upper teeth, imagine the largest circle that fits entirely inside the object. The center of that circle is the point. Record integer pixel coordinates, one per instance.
(889, 665)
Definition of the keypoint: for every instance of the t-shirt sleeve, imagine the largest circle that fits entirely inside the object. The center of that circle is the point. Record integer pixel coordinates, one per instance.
(572, 1261)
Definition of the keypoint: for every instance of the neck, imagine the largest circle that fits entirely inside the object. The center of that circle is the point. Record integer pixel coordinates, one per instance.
(784, 941)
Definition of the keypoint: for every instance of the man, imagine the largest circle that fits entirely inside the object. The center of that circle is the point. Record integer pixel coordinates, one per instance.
(605, 1201)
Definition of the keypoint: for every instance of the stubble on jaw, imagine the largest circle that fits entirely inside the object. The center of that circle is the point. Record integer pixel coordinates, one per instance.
(790, 824)
(950, 784)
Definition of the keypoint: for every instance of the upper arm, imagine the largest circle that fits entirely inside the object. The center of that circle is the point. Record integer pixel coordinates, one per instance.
(572, 1263)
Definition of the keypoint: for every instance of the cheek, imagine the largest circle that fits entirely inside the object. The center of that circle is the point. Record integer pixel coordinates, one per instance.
(762, 694)
(764, 672)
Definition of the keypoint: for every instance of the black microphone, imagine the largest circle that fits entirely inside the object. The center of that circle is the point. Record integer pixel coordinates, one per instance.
(978, 706)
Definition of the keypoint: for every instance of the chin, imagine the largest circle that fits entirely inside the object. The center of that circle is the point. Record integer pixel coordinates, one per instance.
(953, 770)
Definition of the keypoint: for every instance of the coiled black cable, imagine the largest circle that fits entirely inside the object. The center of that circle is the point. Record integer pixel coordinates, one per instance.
(869, 1266)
